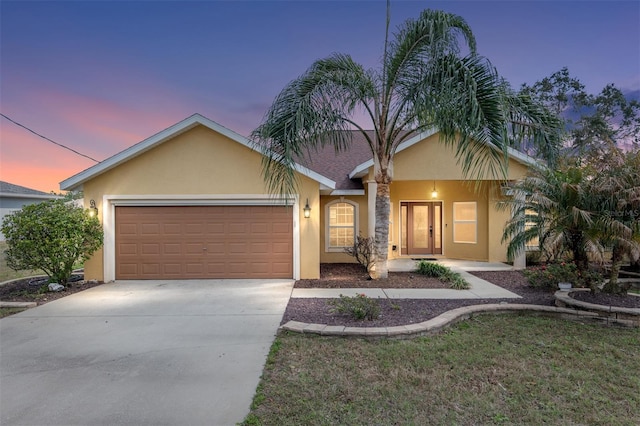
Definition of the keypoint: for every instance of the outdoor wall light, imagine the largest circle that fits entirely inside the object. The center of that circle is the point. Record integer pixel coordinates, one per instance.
(93, 210)
(307, 210)
(434, 193)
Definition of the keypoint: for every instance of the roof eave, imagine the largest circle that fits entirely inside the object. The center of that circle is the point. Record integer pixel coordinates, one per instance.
(363, 169)
(76, 182)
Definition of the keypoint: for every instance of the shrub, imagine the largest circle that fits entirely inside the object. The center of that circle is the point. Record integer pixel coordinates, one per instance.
(360, 307)
(51, 236)
(548, 276)
(364, 251)
(431, 269)
(446, 275)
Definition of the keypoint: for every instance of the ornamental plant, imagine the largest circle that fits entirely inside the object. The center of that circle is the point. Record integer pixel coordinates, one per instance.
(549, 275)
(444, 274)
(51, 236)
(360, 307)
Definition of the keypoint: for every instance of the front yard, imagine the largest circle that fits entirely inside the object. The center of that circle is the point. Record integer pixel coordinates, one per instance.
(487, 370)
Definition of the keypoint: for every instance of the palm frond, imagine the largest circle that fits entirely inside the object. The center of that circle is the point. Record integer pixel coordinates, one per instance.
(312, 111)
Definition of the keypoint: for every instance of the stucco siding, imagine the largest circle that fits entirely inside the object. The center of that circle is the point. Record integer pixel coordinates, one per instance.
(341, 257)
(198, 164)
(448, 193)
(432, 159)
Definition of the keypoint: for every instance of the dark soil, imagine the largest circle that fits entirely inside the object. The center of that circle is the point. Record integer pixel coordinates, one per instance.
(35, 290)
(607, 299)
(408, 311)
(353, 275)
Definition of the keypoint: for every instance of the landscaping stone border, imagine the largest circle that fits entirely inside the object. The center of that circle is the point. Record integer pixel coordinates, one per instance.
(437, 324)
(626, 316)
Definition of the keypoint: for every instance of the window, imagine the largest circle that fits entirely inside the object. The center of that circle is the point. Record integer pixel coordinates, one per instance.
(530, 216)
(465, 222)
(341, 225)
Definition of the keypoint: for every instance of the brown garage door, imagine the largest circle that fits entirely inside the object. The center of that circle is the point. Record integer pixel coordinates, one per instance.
(204, 242)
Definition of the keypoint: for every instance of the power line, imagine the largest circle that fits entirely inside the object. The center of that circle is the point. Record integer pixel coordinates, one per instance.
(47, 139)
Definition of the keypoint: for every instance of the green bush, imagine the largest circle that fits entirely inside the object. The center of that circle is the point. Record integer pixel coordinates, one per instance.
(446, 275)
(360, 307)
(548, 276)
(51, 236)
(431, 269)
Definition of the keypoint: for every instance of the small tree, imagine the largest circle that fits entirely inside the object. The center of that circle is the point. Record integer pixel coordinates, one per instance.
(51, 236)
(363, 250)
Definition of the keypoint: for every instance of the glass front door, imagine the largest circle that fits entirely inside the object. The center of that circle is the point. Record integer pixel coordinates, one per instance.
(421, 228)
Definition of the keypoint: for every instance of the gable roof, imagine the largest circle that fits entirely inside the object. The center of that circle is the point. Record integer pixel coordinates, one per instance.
(338, 173)
(362, 169)
(11, 190)
(76, 181)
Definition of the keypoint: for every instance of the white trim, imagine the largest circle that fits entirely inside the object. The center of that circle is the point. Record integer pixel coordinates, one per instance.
(327, 223)
(109, 203)
(362, 169)
(34, 196)
(347, 192)
(76, 181)
(453, 219)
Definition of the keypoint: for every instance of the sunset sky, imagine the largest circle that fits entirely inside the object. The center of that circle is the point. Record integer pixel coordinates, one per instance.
(101, 76)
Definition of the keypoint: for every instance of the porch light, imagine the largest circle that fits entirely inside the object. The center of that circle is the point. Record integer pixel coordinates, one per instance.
(434, 193)
(307, 210)
(93, 210)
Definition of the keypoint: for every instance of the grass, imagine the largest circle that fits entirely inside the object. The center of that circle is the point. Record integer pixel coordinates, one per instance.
(488, 370)
(5, 312)
(7, 273)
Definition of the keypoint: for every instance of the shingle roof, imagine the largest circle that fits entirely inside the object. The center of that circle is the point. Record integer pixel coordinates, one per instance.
(7, 188)
(337, 166)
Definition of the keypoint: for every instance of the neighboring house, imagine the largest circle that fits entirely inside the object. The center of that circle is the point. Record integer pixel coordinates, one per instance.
(190, 202)
(14, 197)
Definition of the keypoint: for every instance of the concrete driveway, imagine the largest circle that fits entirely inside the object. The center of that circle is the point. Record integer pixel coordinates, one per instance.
(140, 353)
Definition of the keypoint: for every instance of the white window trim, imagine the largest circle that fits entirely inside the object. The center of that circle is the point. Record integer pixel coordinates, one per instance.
(327, 223)
(455, 222)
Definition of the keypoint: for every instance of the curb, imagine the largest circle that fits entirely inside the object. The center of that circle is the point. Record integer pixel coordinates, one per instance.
(445, 320)
(18, 304)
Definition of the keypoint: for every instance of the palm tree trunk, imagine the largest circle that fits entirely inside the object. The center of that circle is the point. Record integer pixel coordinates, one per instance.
(616, 261)
(383, 203)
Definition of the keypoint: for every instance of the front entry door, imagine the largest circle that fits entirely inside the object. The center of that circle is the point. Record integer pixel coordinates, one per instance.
(421, 224)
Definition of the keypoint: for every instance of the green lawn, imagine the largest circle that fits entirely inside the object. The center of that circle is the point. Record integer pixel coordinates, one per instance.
(487, 370)
(7, 273)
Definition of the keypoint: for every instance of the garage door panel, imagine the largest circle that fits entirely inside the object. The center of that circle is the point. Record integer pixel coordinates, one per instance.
(153, 248)
(204, 242)
(172, 248)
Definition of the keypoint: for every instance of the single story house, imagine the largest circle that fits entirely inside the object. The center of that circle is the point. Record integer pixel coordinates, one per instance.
(13, 197)
(190, 202)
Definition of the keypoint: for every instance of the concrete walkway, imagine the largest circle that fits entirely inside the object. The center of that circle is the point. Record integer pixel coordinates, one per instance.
(480, 289)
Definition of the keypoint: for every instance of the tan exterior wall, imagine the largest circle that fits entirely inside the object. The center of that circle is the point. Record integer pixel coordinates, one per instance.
(340, 257)
(200, 162)
(431, 159)
(448, 193)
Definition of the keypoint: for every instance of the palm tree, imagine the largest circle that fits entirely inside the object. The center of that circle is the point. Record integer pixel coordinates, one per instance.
(552, 207)
(586, 210)
(424, 82)
(615, 196)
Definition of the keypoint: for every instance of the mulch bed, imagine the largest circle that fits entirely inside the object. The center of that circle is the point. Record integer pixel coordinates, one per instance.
(409, 311)
(353, 275)
(607, 299)
(29, 290)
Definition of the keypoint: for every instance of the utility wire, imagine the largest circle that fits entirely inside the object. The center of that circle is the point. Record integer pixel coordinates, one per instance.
(47, 139)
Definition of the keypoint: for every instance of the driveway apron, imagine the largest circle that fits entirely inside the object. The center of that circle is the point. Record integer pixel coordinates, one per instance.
(140, 352)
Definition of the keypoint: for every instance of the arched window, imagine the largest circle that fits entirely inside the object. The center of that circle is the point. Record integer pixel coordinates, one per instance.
(341, 224)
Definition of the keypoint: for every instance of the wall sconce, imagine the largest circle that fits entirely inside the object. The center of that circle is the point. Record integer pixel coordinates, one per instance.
(307, 210)
(434, 193)
(93, 210)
